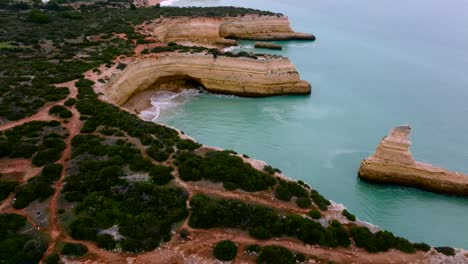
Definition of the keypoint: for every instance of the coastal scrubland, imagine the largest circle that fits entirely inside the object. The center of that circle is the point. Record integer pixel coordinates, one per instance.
(79, 174)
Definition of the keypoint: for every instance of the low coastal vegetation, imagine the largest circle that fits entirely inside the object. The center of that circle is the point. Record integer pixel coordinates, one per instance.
(17, 246)
(44, 44)
(221, 166)
(278, 255)
(225, 250)
(265, 223)
(119, 190)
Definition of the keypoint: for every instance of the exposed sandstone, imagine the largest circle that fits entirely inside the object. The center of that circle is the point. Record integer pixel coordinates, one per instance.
(242, 76)
(216, 29)
(393, 163)
(266, 45)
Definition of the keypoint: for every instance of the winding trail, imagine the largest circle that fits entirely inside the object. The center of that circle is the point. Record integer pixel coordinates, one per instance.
(73, 126)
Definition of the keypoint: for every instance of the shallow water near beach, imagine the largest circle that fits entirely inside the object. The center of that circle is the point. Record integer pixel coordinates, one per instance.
(375, 65)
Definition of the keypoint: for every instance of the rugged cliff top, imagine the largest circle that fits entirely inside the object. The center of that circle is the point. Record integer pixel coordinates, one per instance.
(83, 180)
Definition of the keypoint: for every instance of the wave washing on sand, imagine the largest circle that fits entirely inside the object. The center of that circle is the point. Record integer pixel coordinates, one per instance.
(164, 100)
(167, 2)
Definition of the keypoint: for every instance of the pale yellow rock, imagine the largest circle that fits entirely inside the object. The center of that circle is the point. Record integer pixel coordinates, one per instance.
(242, 76)
(213, 29)
(393, 163)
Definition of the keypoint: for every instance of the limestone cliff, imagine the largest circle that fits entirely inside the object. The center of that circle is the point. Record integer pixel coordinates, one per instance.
(243, 76)
(212, 29)
(393, 163)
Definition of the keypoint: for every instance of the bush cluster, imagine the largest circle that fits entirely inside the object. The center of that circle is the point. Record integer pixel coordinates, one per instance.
(381, 241)
(74, 249)
(6, 187)
(16, 247)
(263, 222)
(276, 255)
(60, 111)
(315, 214)
(39, 187)
(348, 215)
(143, 212)
(449, 251)
(319, 200)
(225, 250)
(221, 166)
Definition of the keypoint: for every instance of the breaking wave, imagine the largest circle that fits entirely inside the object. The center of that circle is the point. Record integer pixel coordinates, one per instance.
(165, 100)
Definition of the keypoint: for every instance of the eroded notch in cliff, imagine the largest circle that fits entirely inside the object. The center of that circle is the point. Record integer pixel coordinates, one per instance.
(141, 100)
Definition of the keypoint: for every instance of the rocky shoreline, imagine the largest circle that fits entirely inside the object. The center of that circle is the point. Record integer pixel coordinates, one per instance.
(393, 163)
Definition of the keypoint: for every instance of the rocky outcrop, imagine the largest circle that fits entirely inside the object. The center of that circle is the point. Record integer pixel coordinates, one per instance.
(393, 163)
(264, 76)
(266, 45)
(213, 29)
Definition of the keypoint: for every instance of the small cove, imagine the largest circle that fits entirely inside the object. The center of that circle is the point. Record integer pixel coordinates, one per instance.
(373, 66)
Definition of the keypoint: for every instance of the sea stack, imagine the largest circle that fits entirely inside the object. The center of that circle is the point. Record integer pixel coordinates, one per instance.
(393, 163)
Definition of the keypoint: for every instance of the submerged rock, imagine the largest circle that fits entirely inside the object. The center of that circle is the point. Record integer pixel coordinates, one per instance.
(393, 163)
(266, 45)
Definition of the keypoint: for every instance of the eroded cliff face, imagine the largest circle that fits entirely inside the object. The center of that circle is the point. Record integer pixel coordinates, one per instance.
(242, 76)
(211, 30)
(393, 163)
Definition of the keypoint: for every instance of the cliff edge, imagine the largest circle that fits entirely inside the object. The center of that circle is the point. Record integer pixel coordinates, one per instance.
(216, 29)
(393, 163)
(263, 76)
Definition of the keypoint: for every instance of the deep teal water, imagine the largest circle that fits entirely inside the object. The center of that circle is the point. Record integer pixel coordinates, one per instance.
(375, 65)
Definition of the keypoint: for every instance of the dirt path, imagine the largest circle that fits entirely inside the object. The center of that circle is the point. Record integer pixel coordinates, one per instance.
(43, 113)
(73, 126)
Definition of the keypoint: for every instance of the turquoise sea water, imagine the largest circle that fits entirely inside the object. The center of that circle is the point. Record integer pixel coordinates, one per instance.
(375, 65)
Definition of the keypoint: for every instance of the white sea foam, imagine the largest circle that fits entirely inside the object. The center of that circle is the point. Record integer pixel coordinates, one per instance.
(231, 48)
(164, 100)
(168, 2)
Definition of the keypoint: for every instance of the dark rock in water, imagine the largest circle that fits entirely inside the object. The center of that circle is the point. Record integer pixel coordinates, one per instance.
(266, 45)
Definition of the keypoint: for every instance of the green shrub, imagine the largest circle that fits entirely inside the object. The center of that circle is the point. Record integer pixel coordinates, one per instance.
(221, 166)
(300, 257)
(15, 246)
(225, 250)
(161, 175)
(315, 214)
(45, 156)
(72, 249)
(38, 16)
(422, 246)
(254, 248)
(52, 259)
(52, 171)
(60, 111)
(303, 202)
(319, 200)
(106, 241)
(448, 251)
(6, 187)
(187, 144)
(276, 255)
(282, 193)
(70, 102)
(348, 215)
(379, 242)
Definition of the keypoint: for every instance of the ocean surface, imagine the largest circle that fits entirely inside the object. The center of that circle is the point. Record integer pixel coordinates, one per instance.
(374, 65)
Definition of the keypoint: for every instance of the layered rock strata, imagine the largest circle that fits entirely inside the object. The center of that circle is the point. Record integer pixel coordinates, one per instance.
(243, 76)
(214, 29)
(393, 163)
